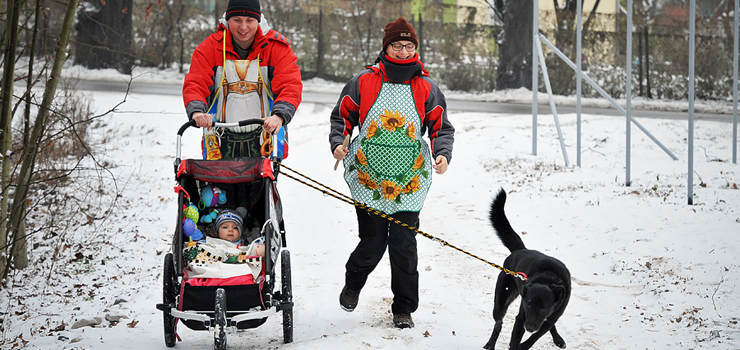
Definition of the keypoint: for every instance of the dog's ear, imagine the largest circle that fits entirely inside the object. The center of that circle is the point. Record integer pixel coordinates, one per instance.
(558, 291)
(525, 289)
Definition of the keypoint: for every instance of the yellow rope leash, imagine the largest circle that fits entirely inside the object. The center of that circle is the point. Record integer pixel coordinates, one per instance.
(344, 198)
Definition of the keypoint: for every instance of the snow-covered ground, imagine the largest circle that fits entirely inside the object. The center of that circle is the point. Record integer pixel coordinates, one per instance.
(649, 270)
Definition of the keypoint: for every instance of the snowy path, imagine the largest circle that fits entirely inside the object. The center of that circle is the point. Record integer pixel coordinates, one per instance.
(650, 272)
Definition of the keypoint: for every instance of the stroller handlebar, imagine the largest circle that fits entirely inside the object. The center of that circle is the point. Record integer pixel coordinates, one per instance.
(191, 123)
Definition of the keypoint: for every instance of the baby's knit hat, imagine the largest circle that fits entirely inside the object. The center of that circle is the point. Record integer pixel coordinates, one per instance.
(236, 217)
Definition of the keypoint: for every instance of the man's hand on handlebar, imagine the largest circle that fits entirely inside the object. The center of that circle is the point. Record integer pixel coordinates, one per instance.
(273, 123)
(203, 120)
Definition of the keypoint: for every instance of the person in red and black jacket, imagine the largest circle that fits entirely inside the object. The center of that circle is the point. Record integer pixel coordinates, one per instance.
(244, 70)
(388, 166)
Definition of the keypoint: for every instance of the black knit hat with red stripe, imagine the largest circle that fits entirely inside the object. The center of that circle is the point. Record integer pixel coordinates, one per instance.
(249, 8)
(399, 30)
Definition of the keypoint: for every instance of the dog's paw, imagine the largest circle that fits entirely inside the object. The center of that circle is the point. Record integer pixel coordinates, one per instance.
(559, 343)
(489, 346)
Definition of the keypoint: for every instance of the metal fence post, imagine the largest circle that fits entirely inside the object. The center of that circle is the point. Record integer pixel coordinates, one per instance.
(692, 49)
(535, 69)
(628, 96)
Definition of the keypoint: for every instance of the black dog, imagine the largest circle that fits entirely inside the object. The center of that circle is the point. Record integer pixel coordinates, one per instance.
(545, 293)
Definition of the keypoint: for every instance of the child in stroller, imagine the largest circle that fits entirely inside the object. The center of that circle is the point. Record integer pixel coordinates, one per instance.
(230, 227)
(225, 260)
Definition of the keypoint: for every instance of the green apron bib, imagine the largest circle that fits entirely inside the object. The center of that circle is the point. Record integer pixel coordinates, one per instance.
(389, 166)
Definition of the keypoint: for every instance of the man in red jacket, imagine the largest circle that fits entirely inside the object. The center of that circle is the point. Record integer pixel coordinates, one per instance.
(245, 70)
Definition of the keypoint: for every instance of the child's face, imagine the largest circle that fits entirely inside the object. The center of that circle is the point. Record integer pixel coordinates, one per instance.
(228, 231)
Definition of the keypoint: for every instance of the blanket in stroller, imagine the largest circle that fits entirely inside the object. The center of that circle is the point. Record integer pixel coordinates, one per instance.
(217, 258)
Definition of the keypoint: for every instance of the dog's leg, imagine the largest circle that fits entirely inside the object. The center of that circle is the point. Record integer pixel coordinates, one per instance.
(556, 338)
(494, 336)
(518, 332)
(505, 293)
(548, 326)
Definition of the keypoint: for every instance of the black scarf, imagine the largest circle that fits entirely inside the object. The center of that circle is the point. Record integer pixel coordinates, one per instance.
(400, 72)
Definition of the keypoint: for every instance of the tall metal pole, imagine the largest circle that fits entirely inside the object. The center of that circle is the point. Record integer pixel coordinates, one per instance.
(692, 43)
(734, 84)
(579, 58)
(628, 95)
(546, 79)
(535, 69)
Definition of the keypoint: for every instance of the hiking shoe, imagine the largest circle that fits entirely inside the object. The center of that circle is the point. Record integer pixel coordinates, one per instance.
(403, 321)
(348, 299)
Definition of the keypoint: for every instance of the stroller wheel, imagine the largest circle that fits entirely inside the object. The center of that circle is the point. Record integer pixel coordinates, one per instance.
(287, 295)
(219, 335)
(168, 299)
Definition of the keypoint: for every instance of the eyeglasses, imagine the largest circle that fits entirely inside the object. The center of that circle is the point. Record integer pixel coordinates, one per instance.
(410, 47)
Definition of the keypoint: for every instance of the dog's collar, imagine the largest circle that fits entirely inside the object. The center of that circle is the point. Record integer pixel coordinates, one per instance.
(523, 276)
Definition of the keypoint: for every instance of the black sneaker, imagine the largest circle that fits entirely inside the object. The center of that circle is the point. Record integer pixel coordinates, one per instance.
(348, 299)
(403, 321)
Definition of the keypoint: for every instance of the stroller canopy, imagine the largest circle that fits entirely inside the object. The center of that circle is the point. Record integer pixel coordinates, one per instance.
(232, 170)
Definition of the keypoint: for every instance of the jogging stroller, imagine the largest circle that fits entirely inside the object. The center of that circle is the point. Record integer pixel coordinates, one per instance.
(228, 304)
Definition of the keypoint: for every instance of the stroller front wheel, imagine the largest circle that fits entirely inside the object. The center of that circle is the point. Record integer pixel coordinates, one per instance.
(287, 296)
(168, 299)
(219, 335)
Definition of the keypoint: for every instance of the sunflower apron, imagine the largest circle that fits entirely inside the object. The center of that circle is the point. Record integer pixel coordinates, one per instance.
(388, 166)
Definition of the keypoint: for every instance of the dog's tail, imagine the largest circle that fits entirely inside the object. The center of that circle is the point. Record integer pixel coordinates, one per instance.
(501, 225)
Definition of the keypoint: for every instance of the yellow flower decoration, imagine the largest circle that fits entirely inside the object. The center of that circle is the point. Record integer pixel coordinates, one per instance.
(372, 129)
(413, 185)
(412, 131)
(365, 180)
(361, 157)
(392, 120)
(419, 162)
(390, 190)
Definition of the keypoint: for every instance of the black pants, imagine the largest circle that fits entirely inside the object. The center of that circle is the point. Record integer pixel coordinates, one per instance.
(377, 233)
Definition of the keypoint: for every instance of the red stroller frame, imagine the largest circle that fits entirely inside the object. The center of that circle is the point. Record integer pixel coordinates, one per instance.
(216, 308)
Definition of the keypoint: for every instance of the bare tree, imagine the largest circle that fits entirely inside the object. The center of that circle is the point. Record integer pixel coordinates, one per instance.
(11, 37)
(174, 14)
(30, 149)
(104, 35)
(562, 77)
(364, 19)
(515, 45)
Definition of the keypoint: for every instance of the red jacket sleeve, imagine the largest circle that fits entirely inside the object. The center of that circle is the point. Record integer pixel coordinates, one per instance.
(285, 80)
(197, 87)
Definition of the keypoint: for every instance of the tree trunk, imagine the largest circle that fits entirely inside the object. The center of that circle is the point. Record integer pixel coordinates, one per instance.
(515, 47)
(562, 77)
(29, 153)
(6, 121)
(29, 82)
(320, 45)
(20, 244)
(20, 251)
(591, 16)
(421, 36)
(181, 36)
(216, 14)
